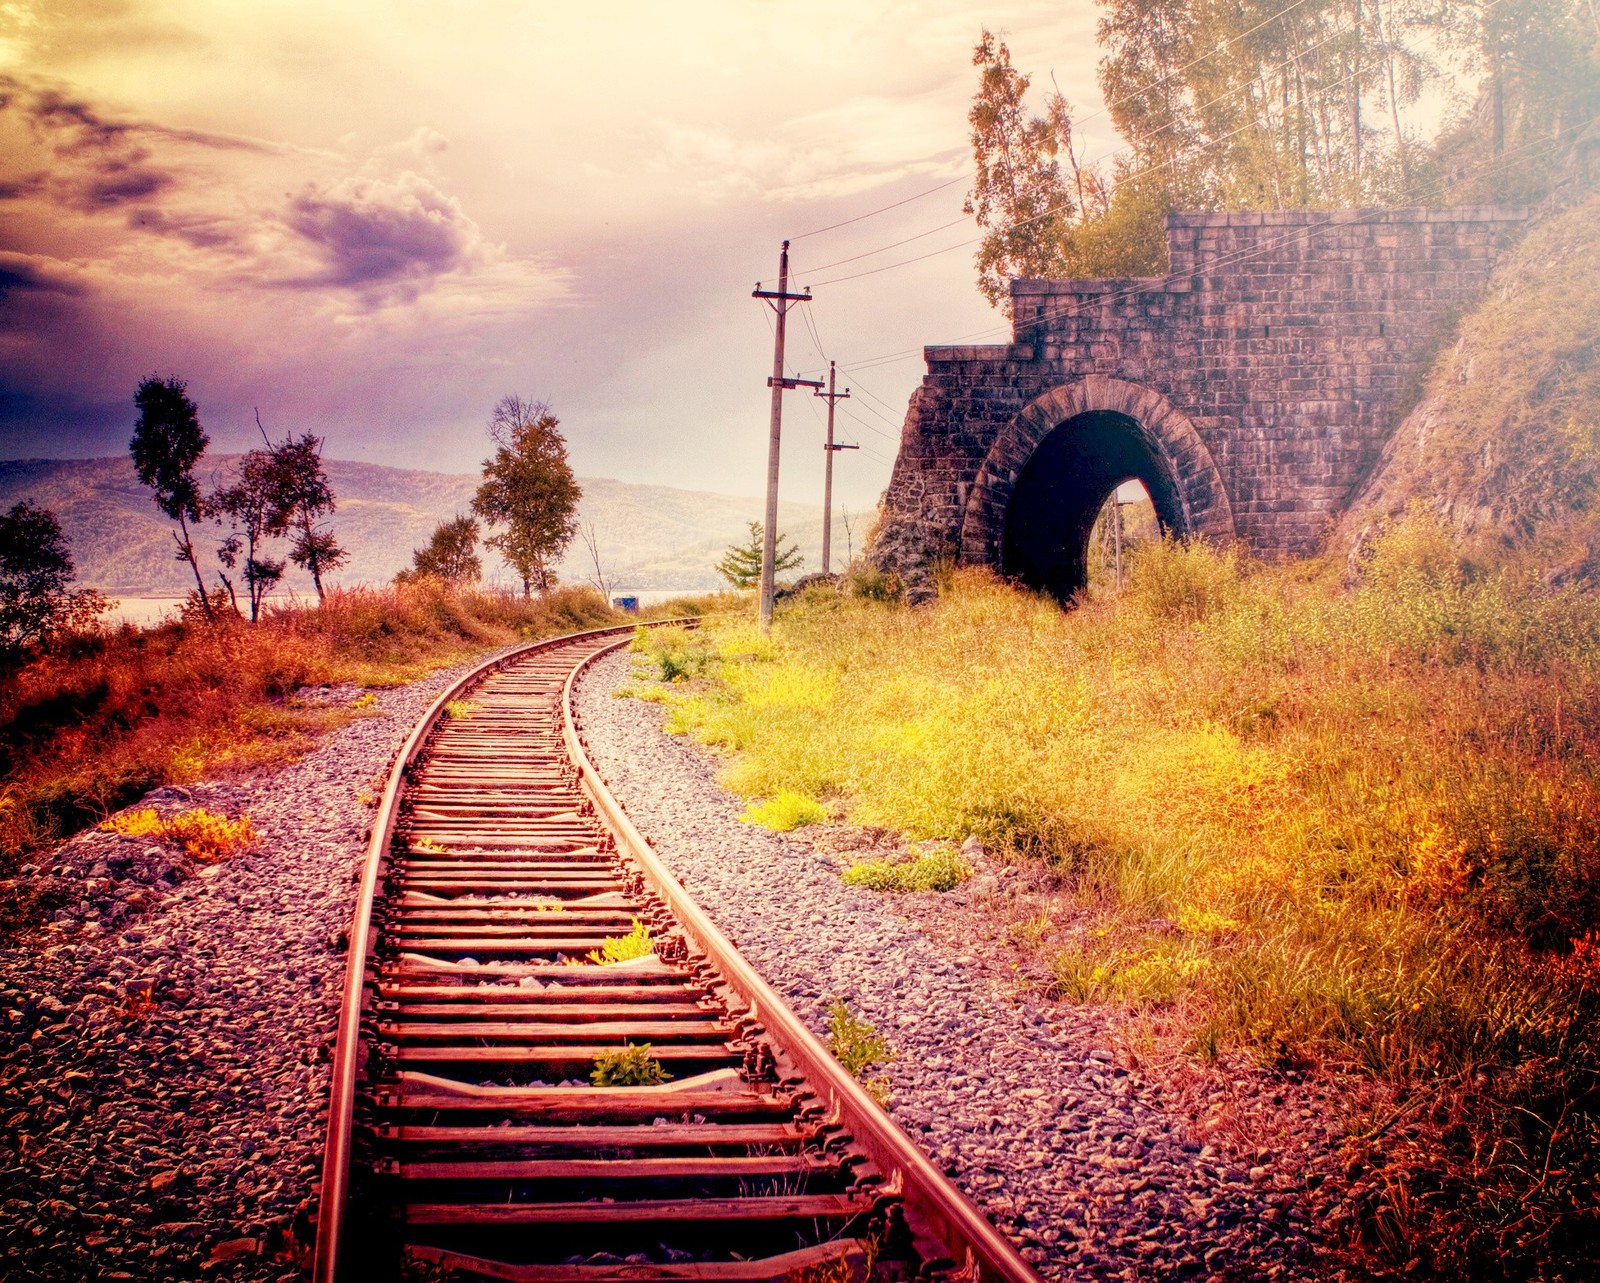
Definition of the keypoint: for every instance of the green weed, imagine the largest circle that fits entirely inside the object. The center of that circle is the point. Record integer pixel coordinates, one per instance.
(636, 944)
(940, 870)
(632, 1067)
(860, 1049)
(785, 811)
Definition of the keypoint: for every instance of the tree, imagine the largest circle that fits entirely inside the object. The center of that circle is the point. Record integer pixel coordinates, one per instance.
(35, 573)
(310, 498)
(741, 564)
(167, 443)
(451, 554)
(257, 506)
(591, 544)
(1019, 196)
(528, 490)
(1540, 63)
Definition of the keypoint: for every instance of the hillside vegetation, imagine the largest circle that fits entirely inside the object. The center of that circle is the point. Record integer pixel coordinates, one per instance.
(1505, 442)
(1359, 827)
(105, 716)
(649, 536)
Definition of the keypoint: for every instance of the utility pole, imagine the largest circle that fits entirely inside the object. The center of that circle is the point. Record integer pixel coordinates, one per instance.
(779, 299)
(830, 396)
(1116, 530)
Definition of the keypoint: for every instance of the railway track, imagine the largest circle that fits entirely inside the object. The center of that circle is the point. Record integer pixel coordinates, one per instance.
(467, 1138)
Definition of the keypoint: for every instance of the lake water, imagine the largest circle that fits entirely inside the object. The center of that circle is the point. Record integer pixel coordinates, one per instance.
(146, 612)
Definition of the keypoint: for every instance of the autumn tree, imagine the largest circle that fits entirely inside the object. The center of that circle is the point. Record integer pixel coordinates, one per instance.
(167, 444)
(528, 490)
(741, 564)
(451, 554)
(1019, 196)
(36, 573)
(310, 499)
(256, 508)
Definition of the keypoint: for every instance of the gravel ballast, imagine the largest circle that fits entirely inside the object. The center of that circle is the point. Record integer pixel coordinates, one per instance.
(1084, 1162)
(164, 1042)
(179, 1136)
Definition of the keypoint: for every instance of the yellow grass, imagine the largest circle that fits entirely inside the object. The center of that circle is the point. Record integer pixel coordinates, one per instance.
(1352, 825)
(106, 716)
(201, 833)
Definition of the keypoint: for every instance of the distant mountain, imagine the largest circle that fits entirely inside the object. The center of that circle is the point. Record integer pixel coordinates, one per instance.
(650, 537)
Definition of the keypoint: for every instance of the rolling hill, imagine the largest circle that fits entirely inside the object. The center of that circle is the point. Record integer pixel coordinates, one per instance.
(649, 537)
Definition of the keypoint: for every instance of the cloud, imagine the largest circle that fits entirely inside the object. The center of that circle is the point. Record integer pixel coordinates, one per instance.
(387, 239)
(35, 274)
(96, 163)
(844, 149)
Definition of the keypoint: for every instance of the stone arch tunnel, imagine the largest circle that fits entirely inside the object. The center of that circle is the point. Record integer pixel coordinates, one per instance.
(1250, 390)
(1044, 540)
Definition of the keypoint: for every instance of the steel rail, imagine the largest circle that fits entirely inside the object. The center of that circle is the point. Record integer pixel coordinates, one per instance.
(510, 805)
(977, 1250)
(335, 1188)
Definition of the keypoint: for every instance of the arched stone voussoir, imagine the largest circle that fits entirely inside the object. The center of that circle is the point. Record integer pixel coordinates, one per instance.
(1170, 432)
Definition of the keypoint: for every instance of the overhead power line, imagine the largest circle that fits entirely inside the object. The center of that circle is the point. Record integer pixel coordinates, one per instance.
(882, 209)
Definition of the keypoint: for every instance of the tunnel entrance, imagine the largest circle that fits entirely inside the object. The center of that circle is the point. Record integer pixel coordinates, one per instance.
(1062, 489)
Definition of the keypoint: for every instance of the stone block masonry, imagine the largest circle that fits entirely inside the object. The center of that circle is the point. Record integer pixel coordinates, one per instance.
(1250, 389)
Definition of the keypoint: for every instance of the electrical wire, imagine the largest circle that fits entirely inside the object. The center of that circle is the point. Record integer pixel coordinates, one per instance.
(883, 209)
(1156, 84)
(1148, 170)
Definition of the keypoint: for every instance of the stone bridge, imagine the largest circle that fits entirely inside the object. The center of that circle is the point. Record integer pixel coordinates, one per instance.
(1250, 390)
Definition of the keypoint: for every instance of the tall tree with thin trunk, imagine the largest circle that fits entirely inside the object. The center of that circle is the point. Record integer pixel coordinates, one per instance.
(310, 499)
(257, 508)
(1019, 196)
(167, 444)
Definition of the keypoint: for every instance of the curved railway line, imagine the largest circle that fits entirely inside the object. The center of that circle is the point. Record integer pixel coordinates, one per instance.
(465, 1138)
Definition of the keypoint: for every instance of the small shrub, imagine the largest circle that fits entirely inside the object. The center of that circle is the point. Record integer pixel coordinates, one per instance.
(871, 584)
(632, 1067)
(636, 944)
(941, 870)
(459, 710)
(859, 1048)
(366, 700)
(1179, 581)
(785, 811)
(201, 833)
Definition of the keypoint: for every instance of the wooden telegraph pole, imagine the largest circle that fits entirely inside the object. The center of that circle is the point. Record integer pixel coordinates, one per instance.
(830, 396)
(779, 299)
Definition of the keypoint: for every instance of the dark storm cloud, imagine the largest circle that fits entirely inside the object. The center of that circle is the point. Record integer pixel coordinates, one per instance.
(99, 163)
(383, 238)
(21, 187)
(23, 272)
(79, 127)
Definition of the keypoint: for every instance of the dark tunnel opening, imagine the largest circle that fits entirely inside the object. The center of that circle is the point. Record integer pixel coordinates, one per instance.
(1060, 492)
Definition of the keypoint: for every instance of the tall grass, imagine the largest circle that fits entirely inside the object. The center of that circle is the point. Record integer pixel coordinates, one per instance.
(105, 716)
(1359, 826)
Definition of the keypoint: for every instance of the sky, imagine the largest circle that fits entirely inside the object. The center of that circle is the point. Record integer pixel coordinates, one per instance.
(372, 220)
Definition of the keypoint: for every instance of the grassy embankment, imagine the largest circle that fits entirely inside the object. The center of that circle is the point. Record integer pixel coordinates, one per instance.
(1327, 825)
(106, 716)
